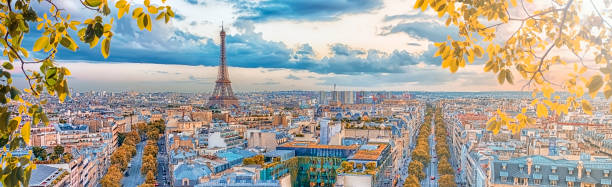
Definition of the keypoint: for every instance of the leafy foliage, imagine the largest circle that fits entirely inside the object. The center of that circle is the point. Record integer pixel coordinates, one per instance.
(412, 181)
(39, 153)
(149, 159)
(533, 52)
(120, 159)
(58, 30)
(415, 168)
(257, 159)
(447, 180)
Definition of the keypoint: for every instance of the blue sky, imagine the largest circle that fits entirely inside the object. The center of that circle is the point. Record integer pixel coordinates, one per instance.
(276, 45)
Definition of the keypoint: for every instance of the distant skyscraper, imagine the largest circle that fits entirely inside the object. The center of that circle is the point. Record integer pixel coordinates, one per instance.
(348, 97)
(335, 96)
(323, 98)
(223, 96)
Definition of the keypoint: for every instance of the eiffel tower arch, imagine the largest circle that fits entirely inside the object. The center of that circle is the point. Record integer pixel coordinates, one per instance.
(223, 95)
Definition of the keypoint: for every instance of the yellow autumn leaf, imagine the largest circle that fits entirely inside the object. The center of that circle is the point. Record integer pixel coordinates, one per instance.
(25, 132)
(41, 43)
(541, 111)
(586, 107)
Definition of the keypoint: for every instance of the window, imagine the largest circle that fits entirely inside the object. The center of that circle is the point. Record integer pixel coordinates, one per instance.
(537, 169)
(553, 182)
(554, 170)
(570, 184)
(570, 171)
(537, 181)
(504, 179)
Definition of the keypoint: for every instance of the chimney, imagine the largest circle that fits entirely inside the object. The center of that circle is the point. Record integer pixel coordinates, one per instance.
(529, 163)
(579, 169)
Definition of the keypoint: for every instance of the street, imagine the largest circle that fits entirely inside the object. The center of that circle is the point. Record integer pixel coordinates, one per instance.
(134, 177)
(163, 175)
(407, 158)
(432, 169)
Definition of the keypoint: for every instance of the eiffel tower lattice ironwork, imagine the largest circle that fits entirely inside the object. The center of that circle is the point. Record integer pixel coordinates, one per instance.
(223, 96)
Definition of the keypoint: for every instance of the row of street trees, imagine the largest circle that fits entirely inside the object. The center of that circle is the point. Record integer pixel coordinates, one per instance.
(120, 159)
(149, 157)
(420, 154)
(445, 170)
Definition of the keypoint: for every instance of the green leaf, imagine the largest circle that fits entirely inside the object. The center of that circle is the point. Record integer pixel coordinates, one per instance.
(509, 76)
(89, 34)
(93, 3)
(14, 93)
(7, 65)
(14, 123)
(501, 77)
(105, 47)
(4, 119)
(67, 42)
(594, 85)
(105, 10)
(41, 43)
(3, 140)
(15, 143)
(98, 30)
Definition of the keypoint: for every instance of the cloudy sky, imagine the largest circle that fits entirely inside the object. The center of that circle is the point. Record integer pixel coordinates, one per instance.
(276, 45)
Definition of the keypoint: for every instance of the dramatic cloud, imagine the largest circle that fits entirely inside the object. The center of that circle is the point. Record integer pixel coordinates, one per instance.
(307, 44)
(165, 45)
(292, 77)
(431, 31)
(304, 10)
(193, 2)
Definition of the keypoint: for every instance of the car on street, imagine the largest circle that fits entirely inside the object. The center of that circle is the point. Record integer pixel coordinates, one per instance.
(433, 178)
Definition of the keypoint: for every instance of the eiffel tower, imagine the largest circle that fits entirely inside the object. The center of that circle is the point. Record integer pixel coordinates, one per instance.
(223, 96)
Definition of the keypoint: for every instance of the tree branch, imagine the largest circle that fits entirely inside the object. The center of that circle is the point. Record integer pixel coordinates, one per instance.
(561, 23)
(22, 63)
(599, 14)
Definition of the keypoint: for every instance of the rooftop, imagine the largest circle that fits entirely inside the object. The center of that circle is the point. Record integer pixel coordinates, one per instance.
(369, 152)
(312, 145)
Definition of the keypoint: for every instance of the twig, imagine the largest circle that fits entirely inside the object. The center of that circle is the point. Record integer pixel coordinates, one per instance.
(539, 70)
(22, 63)
(602, 18)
